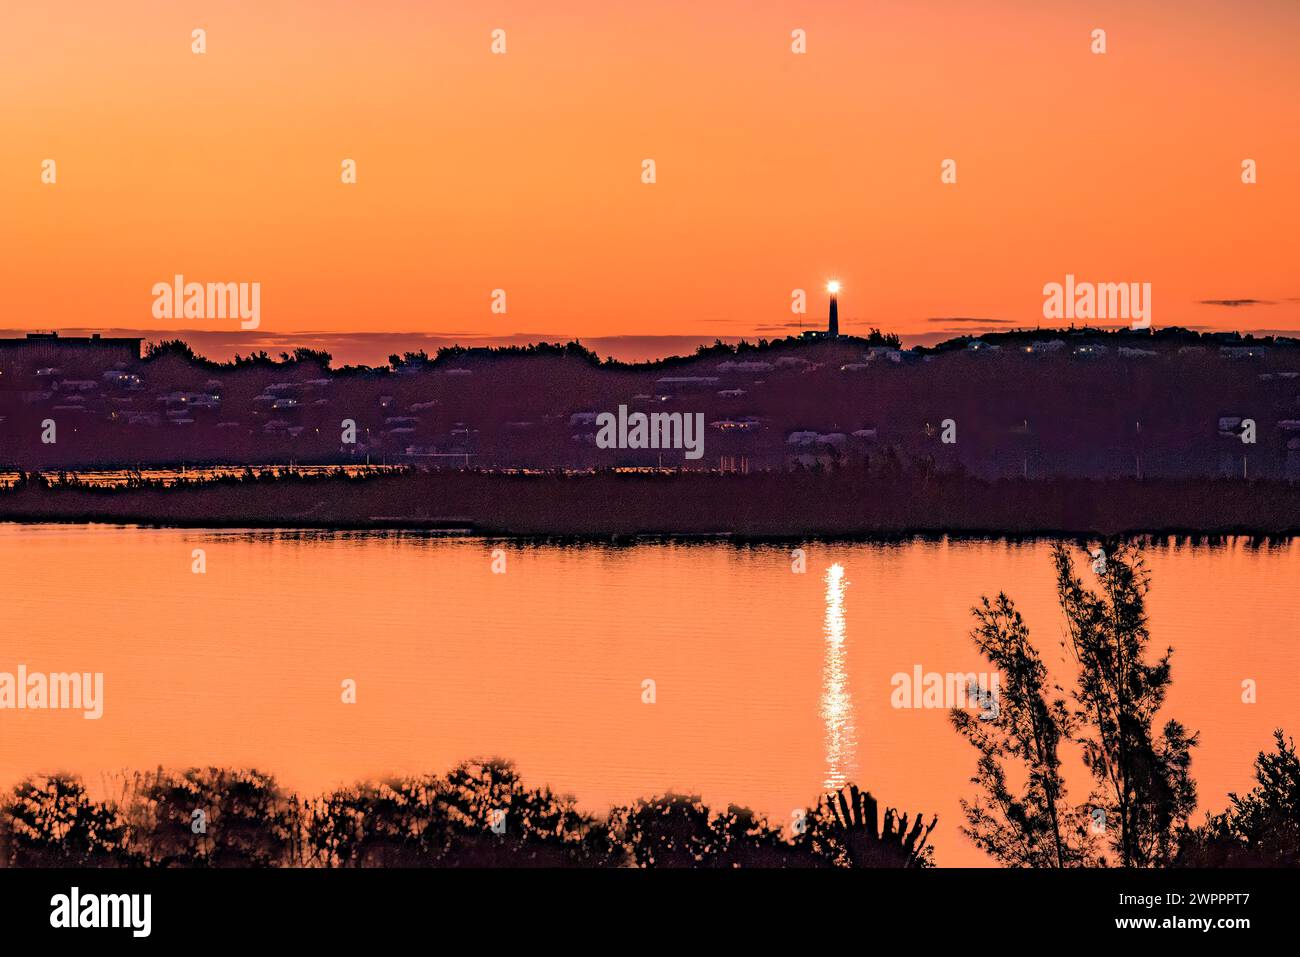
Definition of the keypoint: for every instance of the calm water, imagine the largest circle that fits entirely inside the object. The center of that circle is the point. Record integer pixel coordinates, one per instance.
(770, 685)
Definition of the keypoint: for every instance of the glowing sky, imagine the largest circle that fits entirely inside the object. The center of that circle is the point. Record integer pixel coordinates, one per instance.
(522, 171)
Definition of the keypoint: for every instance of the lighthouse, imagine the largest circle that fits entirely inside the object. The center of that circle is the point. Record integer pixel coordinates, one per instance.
(833, 323)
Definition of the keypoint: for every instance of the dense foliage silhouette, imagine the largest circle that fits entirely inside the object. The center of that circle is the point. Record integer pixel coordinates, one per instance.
(479, 814)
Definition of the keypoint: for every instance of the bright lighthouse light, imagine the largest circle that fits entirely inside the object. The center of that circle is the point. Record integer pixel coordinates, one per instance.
(833, 286)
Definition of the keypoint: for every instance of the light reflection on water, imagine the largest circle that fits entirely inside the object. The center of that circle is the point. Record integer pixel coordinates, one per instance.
(837, 700)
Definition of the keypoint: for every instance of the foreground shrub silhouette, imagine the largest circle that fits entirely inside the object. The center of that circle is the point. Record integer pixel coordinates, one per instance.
(678, 830)
(369, 826)
(845, 829)
(207, 817)
(49, 822)
(1261, 829)
(479, 814)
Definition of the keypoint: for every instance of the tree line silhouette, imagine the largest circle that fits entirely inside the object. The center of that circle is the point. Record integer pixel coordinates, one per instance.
(215, 817)
(479, 814)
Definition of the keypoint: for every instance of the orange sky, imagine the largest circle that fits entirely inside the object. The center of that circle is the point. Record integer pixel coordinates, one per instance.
(522, 172)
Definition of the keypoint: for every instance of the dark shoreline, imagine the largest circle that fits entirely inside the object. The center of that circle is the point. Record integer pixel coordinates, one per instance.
(1195, 537)
(845, 505)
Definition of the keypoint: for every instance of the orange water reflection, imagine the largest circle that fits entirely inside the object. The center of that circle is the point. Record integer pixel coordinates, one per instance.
(544, 664)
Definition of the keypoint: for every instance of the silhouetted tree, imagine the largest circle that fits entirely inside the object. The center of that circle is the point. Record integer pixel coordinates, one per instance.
(1144, 785)
(319, 357)
(259, 358)
(176, 348)
(1033, 825)
(891, 339)
(418, 359)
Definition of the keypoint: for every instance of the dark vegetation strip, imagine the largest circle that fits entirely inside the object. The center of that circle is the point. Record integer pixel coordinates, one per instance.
(478, 815)
(214, 817)
(843, 503)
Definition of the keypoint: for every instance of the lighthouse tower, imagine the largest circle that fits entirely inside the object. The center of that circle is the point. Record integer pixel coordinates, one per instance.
(833, 325)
